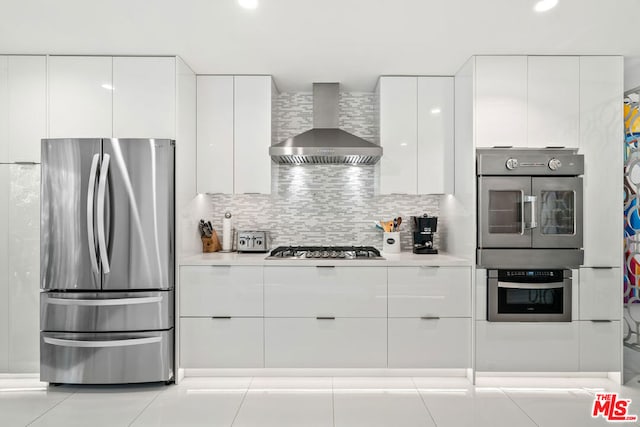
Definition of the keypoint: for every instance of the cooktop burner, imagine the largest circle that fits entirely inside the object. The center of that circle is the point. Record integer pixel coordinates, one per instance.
(325, 252)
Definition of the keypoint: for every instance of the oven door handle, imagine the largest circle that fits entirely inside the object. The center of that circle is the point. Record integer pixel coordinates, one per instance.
(531, 286)
(533, 223)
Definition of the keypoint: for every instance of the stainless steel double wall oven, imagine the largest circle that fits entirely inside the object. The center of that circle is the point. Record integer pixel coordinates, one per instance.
(107, 260)
(529, 231)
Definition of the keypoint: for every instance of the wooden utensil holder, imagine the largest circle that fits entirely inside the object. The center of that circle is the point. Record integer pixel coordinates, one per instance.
(211, 244)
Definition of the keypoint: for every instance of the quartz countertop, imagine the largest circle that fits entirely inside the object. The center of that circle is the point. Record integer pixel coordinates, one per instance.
(405, 259)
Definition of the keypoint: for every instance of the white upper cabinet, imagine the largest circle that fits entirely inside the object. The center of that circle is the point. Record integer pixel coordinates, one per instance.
(26, 108)
(398, 97)
(416, 134)
(252, 134)
(601, 136)
(215, 134)
(234, 134)
(4, 109)
(501, 101)
(144, 97)
(553, 112)
(435, 135)
(80, 96)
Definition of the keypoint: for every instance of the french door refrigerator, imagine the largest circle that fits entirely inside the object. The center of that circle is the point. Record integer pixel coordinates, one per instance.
(107, 260)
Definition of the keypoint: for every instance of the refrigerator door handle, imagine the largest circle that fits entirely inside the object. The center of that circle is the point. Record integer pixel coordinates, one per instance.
(102, 194)
(101, 344)
(90, 200)
(103, 302)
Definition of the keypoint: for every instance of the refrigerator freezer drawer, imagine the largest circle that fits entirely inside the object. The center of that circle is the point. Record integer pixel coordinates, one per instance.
(105, 312)
(106, 358)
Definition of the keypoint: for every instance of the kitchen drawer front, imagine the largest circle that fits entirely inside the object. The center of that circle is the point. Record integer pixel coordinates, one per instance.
(600, 346)
(429, 343)
(429, 291)
(106, 358)
(321, 343)
(527, 346)
(221, 291)
(93, 312)
(600, 294)
(235, 342)
(322, 291)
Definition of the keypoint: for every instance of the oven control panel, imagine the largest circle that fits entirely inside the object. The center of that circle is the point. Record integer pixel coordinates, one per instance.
(530, 276)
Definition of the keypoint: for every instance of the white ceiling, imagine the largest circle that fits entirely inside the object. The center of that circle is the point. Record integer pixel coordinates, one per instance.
(301, 41)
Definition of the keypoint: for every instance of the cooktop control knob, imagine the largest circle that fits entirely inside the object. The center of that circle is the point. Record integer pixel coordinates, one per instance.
(511, 163)
(555, 164)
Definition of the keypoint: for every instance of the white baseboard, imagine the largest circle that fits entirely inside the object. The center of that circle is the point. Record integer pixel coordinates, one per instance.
(14, 376)
(485, 374)
(324, 372)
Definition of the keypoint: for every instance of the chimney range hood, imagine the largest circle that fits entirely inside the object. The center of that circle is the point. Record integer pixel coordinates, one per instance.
(325, 143)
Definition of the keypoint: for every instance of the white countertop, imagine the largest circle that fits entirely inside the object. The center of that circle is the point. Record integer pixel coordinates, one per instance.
(390, 260)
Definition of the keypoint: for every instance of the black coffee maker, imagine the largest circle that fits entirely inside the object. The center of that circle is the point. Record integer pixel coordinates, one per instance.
(423, 229)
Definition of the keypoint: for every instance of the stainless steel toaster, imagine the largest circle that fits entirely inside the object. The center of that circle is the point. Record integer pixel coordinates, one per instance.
(253, 241)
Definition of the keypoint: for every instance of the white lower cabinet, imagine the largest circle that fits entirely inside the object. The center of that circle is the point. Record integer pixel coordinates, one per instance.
(214, 290)
(325, 291)
(600, 294)
(600, 346)
(429, 343)
(429, 291)
(234, 342)
(325, 343)
(527, 347)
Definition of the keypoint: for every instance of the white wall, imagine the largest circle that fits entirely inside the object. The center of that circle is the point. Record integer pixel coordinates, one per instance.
(631, 72)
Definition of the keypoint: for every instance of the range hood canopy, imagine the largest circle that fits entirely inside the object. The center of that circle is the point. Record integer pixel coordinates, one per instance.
(326, 143)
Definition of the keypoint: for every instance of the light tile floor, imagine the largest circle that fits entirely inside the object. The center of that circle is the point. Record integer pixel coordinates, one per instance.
(302, 402)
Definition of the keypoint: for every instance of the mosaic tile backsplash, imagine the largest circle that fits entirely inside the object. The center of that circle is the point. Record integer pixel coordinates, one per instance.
(320, 204)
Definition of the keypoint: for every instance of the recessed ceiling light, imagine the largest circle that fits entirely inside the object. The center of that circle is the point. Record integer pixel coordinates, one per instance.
(248, 4)
(107, 86)
(436, 110)
(544, 5)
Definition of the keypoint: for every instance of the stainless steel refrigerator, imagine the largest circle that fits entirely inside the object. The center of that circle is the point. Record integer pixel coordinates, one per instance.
(107, 260)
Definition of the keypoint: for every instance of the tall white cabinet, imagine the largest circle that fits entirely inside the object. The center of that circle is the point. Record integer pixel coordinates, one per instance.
(23, 114)
(416, 134)
(234, 134)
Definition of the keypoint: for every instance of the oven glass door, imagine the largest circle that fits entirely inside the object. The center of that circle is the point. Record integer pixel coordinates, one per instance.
(559, 212)
(519, 298)
(504, 212)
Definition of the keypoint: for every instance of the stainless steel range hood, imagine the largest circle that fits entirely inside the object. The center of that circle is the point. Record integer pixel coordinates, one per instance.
(326, 143)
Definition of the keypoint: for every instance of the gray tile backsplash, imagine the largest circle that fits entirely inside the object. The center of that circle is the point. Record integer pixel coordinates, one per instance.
(321, 204)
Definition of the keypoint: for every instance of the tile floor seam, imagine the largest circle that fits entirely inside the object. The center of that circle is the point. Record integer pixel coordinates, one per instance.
(333, 401)
(147, 405)
(45, 412)
(244, 396)
(424, 403)
(519, 407)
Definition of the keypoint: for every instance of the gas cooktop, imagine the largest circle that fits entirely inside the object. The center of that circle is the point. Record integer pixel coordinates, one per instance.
(325, 252)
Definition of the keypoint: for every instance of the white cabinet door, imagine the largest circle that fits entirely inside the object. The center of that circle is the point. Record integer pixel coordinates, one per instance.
(553, 110)
(433, 343)
(398, 134)
(325, 343)
(601, 89)
(80, 96)
(215, 134)
(144, 97)
(252, 134)
(527, 347)
(435, 135)
(429, 291)
(600, 294)
(4, 109)
(501, 101)
(4, 263)
(320, 291)
(220, 291)
(24, 268)
(221, 343)
(27, 107)
(600, 346)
